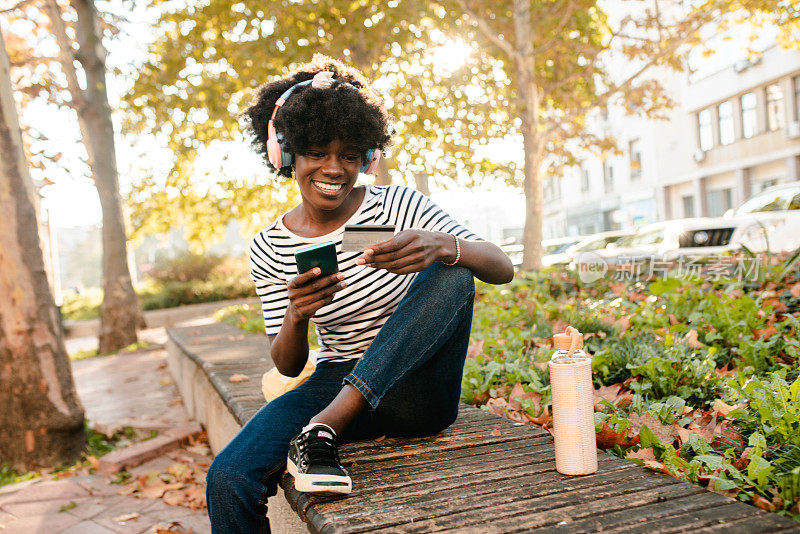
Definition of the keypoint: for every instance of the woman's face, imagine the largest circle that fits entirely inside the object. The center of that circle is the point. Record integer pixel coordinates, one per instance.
(327, 174)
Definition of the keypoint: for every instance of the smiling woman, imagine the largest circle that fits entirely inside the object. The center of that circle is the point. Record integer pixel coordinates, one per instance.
(394, 320)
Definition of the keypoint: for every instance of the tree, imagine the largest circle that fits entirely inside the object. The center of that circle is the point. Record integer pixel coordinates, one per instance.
(207, 58)
(41, 423)
(538, 70)
(120, 314)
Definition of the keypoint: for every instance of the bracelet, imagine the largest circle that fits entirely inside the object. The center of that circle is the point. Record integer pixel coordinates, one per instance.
(458, 253)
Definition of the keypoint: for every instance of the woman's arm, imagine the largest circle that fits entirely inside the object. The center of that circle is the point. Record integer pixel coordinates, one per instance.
(414, 250)
(307, 294)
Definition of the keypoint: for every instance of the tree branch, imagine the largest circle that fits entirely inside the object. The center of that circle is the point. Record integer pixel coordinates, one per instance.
(565, 18)
(625, 84)
(65, 55)
(487, 32)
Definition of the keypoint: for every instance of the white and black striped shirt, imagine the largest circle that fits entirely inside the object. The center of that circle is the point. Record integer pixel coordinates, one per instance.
(346, 326)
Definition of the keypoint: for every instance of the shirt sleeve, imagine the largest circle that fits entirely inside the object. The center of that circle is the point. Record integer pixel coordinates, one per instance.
(430, 216)
(271, 287)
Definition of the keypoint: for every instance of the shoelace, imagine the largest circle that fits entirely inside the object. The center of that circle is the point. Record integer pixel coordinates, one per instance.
(319, 450)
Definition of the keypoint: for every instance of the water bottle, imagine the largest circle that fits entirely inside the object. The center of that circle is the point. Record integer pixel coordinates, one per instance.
(573, 405)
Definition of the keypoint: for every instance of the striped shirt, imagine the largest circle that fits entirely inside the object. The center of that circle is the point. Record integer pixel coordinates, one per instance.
(346, 326)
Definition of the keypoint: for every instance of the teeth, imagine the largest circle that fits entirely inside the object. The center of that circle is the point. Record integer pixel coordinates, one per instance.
(328, 187)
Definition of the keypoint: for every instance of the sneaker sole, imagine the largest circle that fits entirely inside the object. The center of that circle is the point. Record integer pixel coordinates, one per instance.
(319, 483)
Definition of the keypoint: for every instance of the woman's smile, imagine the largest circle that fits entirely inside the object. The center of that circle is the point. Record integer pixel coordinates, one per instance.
(328, 188)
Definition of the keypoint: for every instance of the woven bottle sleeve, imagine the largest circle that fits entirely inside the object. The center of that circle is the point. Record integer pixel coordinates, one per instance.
(573, 416)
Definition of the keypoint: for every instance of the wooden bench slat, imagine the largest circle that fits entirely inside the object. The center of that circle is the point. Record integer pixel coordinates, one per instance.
(455, 500)
(524, 507)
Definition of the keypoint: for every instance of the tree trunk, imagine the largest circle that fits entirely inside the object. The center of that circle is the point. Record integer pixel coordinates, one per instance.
(120, 314)
(41, 423)
(528, 103)
(382, 176)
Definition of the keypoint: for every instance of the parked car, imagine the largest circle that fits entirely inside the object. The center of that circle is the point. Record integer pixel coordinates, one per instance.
(770, 219)
(669, 240)
(550, 249)
(589, 243)
(553, 250)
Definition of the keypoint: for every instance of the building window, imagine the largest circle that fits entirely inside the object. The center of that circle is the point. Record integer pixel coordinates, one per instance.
(719, 202)
(635, 152)
(704, 127)
(797, 97)
(608, 177)
(774, 107)
(748, 115)
(688, 205)
(725, 112)
(584, 179)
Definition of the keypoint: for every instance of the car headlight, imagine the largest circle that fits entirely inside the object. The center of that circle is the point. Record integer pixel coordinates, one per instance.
(759, 231)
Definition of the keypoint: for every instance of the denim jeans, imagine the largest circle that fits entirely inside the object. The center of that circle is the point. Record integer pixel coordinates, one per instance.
(410, 375)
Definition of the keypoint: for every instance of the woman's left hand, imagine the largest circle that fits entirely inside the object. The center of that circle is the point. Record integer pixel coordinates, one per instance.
(409, 251)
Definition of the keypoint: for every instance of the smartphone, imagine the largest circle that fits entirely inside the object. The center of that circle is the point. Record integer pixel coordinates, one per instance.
(322, 255)
(358, 237)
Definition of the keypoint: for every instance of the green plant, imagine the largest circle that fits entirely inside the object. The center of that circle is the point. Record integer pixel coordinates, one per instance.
(677, 371)
(773, 405)
(10, 476)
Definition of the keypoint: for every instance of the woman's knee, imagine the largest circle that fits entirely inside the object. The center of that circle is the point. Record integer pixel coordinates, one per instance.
(453, 280)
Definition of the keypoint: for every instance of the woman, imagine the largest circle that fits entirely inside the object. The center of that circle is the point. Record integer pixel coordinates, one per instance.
(393, 323)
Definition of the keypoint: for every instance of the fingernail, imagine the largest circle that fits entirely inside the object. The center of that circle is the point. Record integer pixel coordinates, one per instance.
(368, 251)
(317, 271)
(343, 284)
(360, 261)
(340, 276)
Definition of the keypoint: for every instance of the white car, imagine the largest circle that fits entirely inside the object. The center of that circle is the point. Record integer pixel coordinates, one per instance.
(554, 250)
(670, 240)
(770, 219)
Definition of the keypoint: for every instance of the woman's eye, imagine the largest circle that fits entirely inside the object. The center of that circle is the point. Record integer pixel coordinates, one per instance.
(351, 157)
(315, 155)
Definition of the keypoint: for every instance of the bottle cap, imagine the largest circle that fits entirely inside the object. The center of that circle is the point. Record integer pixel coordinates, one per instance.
(570, 340)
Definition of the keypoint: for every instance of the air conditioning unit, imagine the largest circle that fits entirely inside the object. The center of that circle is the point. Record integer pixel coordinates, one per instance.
(699, 155)
(792, 130)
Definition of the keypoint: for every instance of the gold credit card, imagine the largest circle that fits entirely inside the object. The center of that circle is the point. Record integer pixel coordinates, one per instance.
(358, 237)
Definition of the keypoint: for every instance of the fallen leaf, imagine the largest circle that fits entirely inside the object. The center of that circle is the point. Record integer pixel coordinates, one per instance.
(165, 381)
(607, 438)
(765, 333)
(723, 408)
(691, 341)
(126, 517)
(642, 454)
(764, 504)
(795, 290)
(495, 432)
(666, 434)
(238, 377)
(379, 439)
(475, 348)
(94, 463)
(174, 497)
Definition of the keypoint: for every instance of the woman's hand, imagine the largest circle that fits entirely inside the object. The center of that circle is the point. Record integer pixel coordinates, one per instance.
(308, 292)
(409, 251)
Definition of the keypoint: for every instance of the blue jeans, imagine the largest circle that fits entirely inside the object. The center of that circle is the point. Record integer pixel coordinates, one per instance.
(410, 375)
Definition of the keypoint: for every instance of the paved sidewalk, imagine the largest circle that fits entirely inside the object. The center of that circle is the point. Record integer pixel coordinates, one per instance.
(136, 390)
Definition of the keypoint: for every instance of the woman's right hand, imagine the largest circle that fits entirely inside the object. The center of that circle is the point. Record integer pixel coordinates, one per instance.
(308, 292)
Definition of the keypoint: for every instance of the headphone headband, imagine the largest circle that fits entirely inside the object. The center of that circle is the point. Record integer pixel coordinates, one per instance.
(275, 152)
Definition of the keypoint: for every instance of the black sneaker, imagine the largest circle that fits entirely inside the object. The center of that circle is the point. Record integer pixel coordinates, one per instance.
(314, 462)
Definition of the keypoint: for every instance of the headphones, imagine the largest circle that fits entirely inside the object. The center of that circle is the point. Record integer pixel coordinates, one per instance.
(280, 158)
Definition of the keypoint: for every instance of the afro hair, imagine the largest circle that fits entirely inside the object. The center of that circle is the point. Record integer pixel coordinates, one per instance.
(351, 112)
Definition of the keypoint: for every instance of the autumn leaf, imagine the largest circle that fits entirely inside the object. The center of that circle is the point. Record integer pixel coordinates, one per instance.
(764, 333)
(495, 432)
(665, 434)
(641, 454)
(607, 438)
(691, 341)
(238, 377)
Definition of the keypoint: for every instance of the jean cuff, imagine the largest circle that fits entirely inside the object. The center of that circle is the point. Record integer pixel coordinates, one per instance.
(364, 389)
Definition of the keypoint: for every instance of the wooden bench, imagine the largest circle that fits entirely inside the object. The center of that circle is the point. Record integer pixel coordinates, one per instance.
(483, 474)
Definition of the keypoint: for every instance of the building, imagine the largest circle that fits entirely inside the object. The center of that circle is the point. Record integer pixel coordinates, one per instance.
(735, 131)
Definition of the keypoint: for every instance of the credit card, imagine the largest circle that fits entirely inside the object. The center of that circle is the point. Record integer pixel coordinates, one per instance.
(358, 237)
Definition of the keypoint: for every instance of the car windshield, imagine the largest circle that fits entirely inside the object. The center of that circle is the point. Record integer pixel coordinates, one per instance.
(597, 243)
(558, 248)
(780, 200)
(649, 237)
